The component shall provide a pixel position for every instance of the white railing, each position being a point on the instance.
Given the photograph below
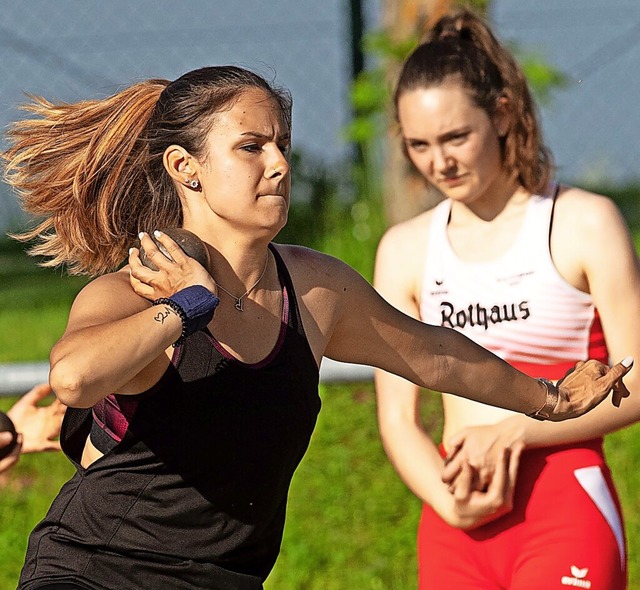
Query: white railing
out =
(18, 378)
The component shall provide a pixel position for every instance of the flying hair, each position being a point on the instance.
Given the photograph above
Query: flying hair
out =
(91, 172)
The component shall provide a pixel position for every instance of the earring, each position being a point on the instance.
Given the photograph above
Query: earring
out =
(193, 183)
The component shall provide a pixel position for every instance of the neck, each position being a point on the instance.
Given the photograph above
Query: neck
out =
(246, 288)
(498, 198)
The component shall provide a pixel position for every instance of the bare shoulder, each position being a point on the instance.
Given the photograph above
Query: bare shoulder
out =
(107, 297)
(407, 237)
(400, 260)
(325, 287)
(583, 210)
(306, 264)
(590, 238)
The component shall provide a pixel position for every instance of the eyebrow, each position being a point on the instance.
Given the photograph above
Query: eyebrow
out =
(257, 135)
(446, 136)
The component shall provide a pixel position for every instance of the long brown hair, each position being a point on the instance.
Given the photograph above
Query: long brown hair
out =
(461, 47)
(92, 174)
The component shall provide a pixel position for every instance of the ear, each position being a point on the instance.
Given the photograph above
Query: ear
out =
(502, 116)
(179, 163)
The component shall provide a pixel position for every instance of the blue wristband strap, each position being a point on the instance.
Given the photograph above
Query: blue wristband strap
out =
(195, 306)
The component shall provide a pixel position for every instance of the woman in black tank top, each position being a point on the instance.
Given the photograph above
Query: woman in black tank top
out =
(186, 427)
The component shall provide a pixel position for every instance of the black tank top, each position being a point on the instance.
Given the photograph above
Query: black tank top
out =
(194, 495)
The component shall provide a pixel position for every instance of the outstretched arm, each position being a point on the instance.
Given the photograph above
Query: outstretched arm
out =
(368, 330)
(594, 248)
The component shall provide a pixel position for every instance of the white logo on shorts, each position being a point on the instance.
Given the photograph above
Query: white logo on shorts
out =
(577, 578)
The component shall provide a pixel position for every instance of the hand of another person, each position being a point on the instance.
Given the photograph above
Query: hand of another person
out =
(474, 508)
(12, 458)
(39, 425)
(482, 447)
(586, 385)
(172, 275)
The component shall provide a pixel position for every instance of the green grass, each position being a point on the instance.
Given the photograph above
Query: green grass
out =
(35, 304)
(351, 523)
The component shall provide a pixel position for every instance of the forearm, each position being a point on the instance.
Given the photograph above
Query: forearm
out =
(417, 461)
(602, 420)
(90, 363)
(468, 370)
(411, 450)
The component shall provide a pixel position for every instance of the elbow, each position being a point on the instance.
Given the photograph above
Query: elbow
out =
(68, 384)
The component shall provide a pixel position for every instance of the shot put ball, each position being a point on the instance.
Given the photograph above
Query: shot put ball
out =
(191, 244)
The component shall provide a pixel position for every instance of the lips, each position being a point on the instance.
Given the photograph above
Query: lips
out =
(272, 195)
(451, 181)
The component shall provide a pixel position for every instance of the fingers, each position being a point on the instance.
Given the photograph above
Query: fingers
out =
(176, 253)
(498, 486)
(455, 442)
(589, 384)
(501, 487)
(57, 408)
(620, 391)
(514, 460)
(614, 375)
(5, 439)
(463, 484)
(162, 253)
(141, 277)
(452, 467)
(37, 393)
(619, 370)
(452, 462)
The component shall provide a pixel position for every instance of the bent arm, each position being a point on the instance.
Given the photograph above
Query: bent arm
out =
(115, 341)
(409, 447)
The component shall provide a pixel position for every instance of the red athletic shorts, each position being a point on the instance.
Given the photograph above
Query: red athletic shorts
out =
(565, 531)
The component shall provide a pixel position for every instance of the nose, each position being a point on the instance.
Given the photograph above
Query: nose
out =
(278, 166)
(440, 159)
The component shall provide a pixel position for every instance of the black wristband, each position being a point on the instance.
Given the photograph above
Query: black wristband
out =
(194, 305)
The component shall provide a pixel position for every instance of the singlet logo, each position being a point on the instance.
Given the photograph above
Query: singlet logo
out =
(478, 315)
(577, 578)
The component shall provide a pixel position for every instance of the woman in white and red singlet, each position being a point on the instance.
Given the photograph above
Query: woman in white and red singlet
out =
(541, 274)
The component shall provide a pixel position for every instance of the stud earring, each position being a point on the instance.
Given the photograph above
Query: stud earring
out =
(194, 183)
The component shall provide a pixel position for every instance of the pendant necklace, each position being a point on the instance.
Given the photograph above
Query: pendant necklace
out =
(239, 305)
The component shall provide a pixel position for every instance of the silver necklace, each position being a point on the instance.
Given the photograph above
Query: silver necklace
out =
(239, 305)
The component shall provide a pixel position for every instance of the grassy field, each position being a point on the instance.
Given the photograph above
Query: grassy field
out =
(351, 523)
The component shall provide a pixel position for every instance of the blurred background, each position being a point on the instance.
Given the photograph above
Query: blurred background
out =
(581, 56)
(351, 521)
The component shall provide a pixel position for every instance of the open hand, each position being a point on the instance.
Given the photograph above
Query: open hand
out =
(38, 425)
(588, 384)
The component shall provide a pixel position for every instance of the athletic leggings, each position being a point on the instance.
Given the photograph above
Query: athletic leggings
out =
(565, 531)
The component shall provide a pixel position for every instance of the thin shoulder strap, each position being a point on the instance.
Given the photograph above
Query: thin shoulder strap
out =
(555, 190)
(293, 319)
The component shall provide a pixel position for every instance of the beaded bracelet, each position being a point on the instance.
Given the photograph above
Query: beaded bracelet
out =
(194, 305)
